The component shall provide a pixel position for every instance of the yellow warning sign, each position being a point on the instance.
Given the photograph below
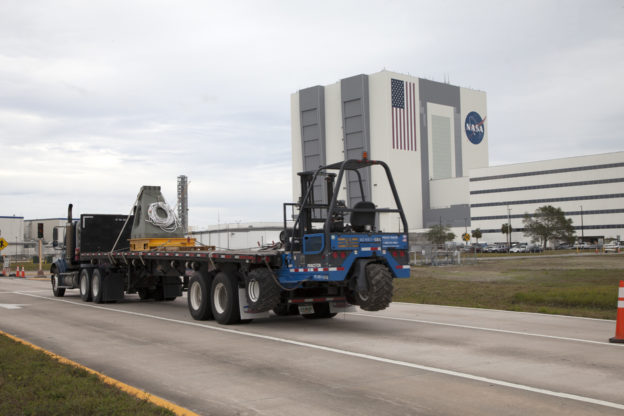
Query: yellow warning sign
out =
(466, 237)
(3, 244)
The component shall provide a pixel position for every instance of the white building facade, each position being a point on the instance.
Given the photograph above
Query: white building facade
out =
(431, 135)
(588, 189)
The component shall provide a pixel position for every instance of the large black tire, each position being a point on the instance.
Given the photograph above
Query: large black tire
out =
(97, 285)
(262, 292)
(321, 311)
(144, 293)
(224, 299)
(85, 285)
(379, 294)
(57, 291)
(199, 297)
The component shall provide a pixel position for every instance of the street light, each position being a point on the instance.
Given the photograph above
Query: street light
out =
(582, 226)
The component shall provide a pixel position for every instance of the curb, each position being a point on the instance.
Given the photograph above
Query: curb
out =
(140, 394)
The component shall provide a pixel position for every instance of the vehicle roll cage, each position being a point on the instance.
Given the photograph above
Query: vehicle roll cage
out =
(303, 222)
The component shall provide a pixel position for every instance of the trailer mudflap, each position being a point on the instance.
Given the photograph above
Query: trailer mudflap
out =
(244, 307)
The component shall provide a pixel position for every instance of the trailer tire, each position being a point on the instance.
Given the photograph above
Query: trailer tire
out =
(85, 285)
(57, 291)
(262, 292)
(144, 293)
(224, 299)
(199, 297)
(97, 286)
(379, 294)
(321, 311)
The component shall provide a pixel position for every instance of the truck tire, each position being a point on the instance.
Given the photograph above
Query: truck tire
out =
(97, 286)
(321, 311)
(85, 285)
(57, 291)
(379, 294)
(224, 296)
(199, 297)
(144, 293)
(262, 292)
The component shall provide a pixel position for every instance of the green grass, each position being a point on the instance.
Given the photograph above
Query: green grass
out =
(33, 383)
(578, 286)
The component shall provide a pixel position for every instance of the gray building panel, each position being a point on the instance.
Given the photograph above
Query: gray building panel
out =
(448, 95)
(356, 130)
(312, 118)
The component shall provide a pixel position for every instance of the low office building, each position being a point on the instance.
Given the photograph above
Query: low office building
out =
(588, 189)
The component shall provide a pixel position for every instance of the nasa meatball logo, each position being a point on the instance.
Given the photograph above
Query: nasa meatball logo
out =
(475, 127)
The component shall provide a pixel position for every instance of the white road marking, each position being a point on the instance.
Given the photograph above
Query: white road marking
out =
(355, 354)
(505, 311)
(11, 306)
(25, 291)
(504, 331)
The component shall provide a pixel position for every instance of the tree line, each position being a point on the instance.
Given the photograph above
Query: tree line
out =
(547, 224)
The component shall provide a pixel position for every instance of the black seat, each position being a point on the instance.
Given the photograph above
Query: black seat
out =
(363, 216)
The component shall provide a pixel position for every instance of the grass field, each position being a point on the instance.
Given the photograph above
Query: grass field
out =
(572, 285)
(32, 383)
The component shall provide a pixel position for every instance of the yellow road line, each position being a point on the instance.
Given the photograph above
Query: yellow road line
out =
(159, 401)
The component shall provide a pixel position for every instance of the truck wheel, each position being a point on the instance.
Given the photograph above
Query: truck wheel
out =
(321, 311)
(144, 293)
(96, 286)
(224, 297)
(85, 285)
(57, 291)
(379, 294)
(262, 292)
(199, 297)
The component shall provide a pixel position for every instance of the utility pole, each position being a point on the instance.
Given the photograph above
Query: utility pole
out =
(508, 228)
(582, 226)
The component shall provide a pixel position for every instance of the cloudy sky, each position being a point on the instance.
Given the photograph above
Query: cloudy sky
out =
(100, 97)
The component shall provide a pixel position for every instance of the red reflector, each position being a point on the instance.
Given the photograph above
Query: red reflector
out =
(342, 255)
(402, 253)
(335, 255)
(394, 254)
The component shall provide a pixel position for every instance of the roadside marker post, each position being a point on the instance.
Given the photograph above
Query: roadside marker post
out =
(619, 323)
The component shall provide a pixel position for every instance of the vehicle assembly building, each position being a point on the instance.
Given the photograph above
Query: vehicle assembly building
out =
(435, 138)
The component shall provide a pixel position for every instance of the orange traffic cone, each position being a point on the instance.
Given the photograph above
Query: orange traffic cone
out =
(23, 271)
(619, 323)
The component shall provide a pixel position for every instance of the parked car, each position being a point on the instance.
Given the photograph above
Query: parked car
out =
(563, 246)
(534, 248)
(518, 248)
(611, 247)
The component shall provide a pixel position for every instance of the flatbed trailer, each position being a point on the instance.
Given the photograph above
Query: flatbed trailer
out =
(333, 257)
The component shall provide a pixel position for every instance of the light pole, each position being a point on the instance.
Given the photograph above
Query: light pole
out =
(509, 228)
(582, 226)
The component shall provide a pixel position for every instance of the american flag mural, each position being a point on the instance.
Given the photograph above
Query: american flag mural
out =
(404, 106)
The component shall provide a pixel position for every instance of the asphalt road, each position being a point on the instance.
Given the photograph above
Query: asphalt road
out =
(407, 360)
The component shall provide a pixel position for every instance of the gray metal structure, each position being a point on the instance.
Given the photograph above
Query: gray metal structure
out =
(183, 202)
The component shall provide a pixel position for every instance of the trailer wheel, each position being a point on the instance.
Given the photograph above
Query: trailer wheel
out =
(144, 293)
(262, 292)
(224, 297)
(199, 297)
(57, 291)
(85, 285)
(321, 311)
(379, 294)
(96, 286)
